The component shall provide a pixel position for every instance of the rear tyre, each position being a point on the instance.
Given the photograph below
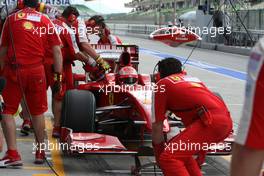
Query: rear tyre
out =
(78, 111)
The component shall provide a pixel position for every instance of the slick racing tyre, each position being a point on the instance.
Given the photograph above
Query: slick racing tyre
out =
(78, 111)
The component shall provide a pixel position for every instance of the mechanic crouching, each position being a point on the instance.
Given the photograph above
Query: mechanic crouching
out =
(205, 116)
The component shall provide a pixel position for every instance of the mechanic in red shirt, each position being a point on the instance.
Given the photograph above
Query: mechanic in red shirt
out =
(248, 150)
(70, 16)
(70, 52)
(26, 126)
(97, 25)
(205, 116)
(25, 75)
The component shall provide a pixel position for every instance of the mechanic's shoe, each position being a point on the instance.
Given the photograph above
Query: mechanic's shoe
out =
(40, 157)
(26, 126)
(11, 158)
(56, 132)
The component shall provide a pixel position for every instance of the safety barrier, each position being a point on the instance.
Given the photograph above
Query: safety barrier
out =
(236, 38)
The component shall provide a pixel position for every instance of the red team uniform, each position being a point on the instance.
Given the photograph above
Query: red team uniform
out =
(205, 116)
(250, 131)
(24, 25)
(69, 49)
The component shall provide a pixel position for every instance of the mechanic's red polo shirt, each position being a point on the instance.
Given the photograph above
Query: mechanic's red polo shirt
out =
(182, 95)
(69, 44)
(27, 25)
(69, 49)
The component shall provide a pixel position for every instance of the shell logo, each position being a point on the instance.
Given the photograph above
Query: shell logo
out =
(28, 25)
(21, 15)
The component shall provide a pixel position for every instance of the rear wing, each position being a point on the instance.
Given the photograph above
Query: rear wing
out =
(111, 53)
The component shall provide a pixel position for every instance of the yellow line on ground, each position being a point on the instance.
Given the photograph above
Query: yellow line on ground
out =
(55, 154)
(35, 168)
(227, 158)
(43, 175)
(25, 140)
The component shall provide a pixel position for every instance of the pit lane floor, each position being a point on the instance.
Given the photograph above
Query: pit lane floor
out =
(232, 90)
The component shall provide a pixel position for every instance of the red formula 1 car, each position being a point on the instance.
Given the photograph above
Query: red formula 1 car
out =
(174, 36)
(114, 117)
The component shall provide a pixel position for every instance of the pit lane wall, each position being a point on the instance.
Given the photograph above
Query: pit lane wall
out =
(236, 42)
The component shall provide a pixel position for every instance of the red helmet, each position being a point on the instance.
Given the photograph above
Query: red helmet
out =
(128, 75)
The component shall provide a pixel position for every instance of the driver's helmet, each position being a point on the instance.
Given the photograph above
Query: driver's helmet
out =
(128, 75)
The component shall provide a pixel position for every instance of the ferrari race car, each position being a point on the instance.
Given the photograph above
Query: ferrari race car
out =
(110, 116)
(174, 36)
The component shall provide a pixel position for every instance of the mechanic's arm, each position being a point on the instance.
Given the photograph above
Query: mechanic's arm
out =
(83, 57)
(57, 56)
(157, 132)
(84, 42)
(86, 47)
(4, 42)
(3, 51)
(159, 107)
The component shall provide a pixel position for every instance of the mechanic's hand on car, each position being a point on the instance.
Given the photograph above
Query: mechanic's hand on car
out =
(57, 87)
(103, 64)
(96, 74)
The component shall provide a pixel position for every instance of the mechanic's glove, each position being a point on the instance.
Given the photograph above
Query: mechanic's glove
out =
(158, 149)
(95, 73)
(103, 64)
(57, 87)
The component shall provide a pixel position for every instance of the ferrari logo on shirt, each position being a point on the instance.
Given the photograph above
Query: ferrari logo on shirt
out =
(28, 25)
(21, 15)
(175, 78)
